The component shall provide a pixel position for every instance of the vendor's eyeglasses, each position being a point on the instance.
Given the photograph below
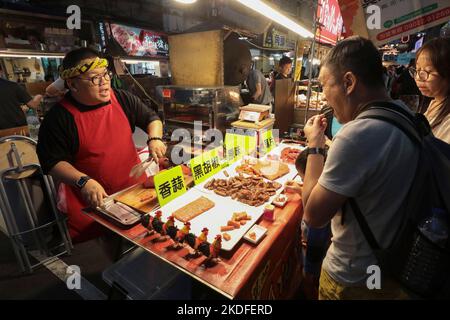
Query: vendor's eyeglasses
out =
(97, 79)
(423, 74)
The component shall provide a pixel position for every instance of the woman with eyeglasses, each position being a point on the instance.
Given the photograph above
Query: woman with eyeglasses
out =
(85, 141)
(432, 75)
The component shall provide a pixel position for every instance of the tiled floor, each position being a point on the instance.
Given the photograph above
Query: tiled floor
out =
(43, 284)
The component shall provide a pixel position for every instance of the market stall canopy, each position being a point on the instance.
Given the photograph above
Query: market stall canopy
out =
(390, 20)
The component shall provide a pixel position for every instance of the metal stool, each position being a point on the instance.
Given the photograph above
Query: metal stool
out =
(26, 226)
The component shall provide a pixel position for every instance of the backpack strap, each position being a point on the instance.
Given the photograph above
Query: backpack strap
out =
(364, 225)
(397, 116)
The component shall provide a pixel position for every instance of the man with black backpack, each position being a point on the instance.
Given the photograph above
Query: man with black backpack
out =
(371, 163)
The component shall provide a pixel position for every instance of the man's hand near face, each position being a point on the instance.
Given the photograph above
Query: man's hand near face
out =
(315, 131)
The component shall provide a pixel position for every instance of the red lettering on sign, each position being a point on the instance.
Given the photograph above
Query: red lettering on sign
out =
(414, 24)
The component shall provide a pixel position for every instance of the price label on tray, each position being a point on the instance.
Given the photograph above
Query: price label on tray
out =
(205, 165)
(268, 141)
(169, 185)
(238, 145)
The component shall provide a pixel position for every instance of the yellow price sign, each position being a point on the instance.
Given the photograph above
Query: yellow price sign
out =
(205, 165)
(169, 185)
(238, 145)
(268, 141)
(250, 143)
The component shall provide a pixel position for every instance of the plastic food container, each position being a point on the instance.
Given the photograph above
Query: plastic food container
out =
(255, 234)
(280, 201)
(269, 213)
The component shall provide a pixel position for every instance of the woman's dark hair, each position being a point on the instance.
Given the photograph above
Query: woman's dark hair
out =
(439, 51)
(359, 56)
(74, 57)
(300, 163)
(284, 60)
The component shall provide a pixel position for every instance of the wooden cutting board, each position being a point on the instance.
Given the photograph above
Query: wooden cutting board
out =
(281, 169)
(144, 199)
(138, 198)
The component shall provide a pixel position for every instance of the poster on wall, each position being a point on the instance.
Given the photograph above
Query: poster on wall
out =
(330, 22)
(139, 42)
(397, 17)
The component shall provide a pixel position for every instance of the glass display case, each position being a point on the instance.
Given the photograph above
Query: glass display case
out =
(214, 107)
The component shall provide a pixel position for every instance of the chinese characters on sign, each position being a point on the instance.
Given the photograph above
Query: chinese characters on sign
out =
(205, 165)
(169, 185)
(330, 21)
(268, 141)
(238, 145)
(277, 39)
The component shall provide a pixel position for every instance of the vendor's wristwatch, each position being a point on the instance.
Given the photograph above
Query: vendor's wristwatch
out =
(315, 151)
(82, 182)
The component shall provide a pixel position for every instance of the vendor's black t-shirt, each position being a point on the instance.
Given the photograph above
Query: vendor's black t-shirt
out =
(58, 134)
(12, 96)
(280, 76)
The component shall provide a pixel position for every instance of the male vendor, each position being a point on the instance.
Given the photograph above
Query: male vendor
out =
(86, 142)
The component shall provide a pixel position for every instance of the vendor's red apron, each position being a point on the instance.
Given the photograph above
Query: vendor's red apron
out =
(106, 153)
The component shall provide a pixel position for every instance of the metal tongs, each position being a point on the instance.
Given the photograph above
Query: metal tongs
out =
(139, 169)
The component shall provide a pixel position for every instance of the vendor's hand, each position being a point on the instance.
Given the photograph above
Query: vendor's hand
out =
(315, 131)
(157, 149)
(93, 193)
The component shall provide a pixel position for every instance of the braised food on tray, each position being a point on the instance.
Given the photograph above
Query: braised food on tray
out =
(270, 170)
(253, 191)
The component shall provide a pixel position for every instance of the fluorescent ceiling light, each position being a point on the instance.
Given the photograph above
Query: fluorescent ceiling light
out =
(186, 1)
(30, 55)
(134, 61)
(276, 16)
